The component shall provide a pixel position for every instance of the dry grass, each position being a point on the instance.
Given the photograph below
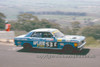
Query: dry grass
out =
(91, 42)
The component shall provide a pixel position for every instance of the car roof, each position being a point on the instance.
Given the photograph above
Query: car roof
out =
(44, 30)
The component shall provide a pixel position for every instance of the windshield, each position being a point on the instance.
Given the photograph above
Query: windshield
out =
(57, 34)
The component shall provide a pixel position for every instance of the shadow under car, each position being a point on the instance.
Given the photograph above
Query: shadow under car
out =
(85, 51)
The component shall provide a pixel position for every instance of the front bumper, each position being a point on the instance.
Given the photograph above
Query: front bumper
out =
(81, 46)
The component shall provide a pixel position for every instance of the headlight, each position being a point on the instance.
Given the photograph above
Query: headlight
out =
(75, 44)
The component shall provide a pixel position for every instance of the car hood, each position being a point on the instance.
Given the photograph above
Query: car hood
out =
(73, 37)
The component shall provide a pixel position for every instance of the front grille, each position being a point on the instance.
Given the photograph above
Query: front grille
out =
(81, 42)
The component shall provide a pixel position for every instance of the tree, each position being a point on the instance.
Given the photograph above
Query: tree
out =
(39, 24)
(29, 22)
(67, 30)
(2, 17)
(26, 17)
(93, 31)
(75, 27)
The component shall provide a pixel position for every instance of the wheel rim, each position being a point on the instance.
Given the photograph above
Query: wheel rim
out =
(27, 46)
(68, 49)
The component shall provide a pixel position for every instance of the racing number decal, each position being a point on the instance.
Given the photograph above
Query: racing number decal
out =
(39, 43)
(51, 44)
(42, 44)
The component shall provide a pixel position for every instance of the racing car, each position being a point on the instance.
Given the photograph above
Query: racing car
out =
(49, 38)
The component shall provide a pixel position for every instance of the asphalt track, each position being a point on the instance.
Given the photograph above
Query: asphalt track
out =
(12, 56)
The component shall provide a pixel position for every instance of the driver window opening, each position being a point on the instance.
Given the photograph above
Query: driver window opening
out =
(42, 34)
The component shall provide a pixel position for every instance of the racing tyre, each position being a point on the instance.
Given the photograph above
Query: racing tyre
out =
(68, 49)
(27, 46)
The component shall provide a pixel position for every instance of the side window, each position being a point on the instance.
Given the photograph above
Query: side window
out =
(46, 35)
(36, 34)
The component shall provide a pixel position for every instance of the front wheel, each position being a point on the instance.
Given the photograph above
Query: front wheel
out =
(68, 49)
(27, 46)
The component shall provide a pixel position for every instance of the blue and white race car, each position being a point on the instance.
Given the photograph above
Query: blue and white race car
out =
(48, 38)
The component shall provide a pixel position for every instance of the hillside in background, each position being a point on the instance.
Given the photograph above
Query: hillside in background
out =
(12, 8)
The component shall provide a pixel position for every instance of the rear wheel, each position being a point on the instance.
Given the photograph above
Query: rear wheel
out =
(68, 49)
(27, 46)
